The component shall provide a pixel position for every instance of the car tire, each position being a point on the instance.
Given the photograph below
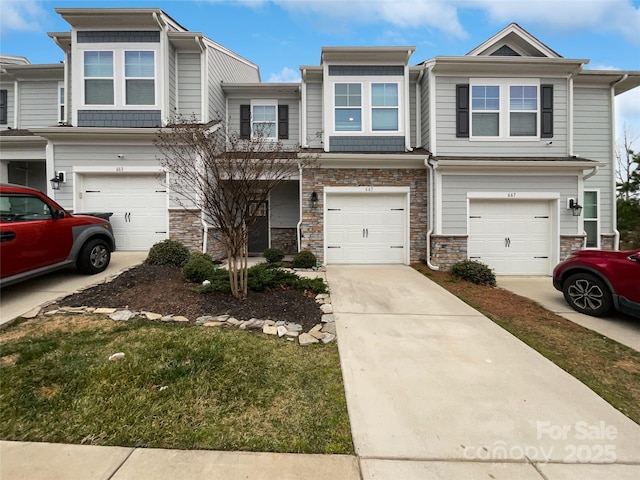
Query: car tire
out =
(587, 294)
(94, 257)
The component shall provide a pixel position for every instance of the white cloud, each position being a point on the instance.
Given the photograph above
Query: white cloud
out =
(20, 15)
(286, 75)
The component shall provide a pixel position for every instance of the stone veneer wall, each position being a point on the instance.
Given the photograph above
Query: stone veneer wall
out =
(607, 241)
(185, 227)
(448, 249)
(315, 179)
(569, 244)
(215, 247)
(284, 239)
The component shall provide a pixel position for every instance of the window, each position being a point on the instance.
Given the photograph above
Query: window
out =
(98, 78)
(591, 221)
(23, 208)
(384, 103)
(485, 111)
(61, 117)
(139, 72)
(264, 121)
(348, 107)
(3, 107)
(504, 109)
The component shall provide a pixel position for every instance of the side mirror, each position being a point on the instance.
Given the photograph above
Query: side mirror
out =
(58, 214)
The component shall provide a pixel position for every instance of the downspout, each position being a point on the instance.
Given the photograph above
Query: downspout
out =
(432, 168)
(205, 235)
(299, 225)
(614, 212)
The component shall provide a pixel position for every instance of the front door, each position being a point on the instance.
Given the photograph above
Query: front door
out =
(259, 231)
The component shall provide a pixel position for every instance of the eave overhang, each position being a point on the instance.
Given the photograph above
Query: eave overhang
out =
(564, 163)
(414, 159)
(95, 135)
(54, 71)
(622, 80)
(122, 18)
(262, 90)
(504, 66)
(367, 55)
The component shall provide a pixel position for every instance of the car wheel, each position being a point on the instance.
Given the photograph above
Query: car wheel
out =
(587, 294)
(94, 257)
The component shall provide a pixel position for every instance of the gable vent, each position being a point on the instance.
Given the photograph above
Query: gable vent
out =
(505, 51)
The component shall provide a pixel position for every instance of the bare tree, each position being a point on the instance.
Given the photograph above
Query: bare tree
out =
(228, 177)
(626, 159)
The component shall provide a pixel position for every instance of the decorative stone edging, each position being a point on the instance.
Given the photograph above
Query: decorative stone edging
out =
(324, 332)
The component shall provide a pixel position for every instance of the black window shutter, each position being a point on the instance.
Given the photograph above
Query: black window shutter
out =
(245, 121)
(546, 115)
(283, 122)
(462, 110)
(3, 107)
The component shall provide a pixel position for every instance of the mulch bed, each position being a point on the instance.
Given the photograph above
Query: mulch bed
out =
(163, 290)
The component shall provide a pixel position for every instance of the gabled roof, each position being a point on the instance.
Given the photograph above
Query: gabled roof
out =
(513, 39)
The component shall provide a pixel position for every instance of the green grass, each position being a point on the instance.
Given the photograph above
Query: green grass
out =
(225, 389)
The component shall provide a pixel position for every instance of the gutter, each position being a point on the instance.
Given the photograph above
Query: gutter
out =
(614, 204)
(432, 168)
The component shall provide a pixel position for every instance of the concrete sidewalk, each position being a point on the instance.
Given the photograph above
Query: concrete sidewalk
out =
(618, 327)
(436, 390)
(22, 297)
(51, 461)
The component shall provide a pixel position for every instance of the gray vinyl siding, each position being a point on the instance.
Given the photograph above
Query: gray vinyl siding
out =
(593, 139)
(412, 114)
(448, 144)
(225, 68)
(172, 79)
(189, 85)
(10, 105)
(314, 115)
(233, 116)
(456, 187)
(68, 97)
(425, 105)
(285, 205)
(38, 104)
(105, 156)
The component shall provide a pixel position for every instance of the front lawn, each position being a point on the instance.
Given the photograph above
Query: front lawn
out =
(610, 369)
(177, 386)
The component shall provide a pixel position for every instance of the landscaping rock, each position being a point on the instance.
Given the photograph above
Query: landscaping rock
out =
(213, 324)
(104, 311)
(293, 327)
(326, 308)
(51, 313)
(73, 310)
(33, 313)
(306, 339)
(269, 322)
(329, 328)
(181, 319)
(328, 338)
(222, 318)
(246, 324)
(233, 321)
(204, 319)
(116, 356)
(328, 317)
(167, 318)
(316, 328)
(317, 334)
(322, 296)
(152, 316)
(282, 330)
(270, 330)
(121, 315)
(291, 334)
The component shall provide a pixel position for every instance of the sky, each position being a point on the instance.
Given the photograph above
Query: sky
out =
(281, 35)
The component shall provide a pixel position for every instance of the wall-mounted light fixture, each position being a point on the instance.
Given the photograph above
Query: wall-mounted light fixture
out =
(314, 199)
(575, 207)
(57, 179)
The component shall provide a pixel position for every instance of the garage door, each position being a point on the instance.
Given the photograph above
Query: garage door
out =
(364, 228)
(512, 237)
(138, 203)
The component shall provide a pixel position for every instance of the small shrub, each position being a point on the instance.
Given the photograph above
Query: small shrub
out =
(273, 255)
(168, 252)
(198, 268)
(474, 272)
(219, 282)
(304, 259)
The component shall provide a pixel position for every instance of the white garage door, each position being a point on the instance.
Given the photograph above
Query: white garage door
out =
(512, 237)
(138, 203)
(366, 228)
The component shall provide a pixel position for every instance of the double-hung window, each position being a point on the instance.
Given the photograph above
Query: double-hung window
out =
(98, 78)
(348, 107)
(384, 107)
(61, 113)
(3, 107)
(139, 72)
(264, 121)
(591, 220)
(505, 109)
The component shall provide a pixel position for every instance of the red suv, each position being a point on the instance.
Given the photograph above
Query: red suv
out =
(596, 281)
(38, 236)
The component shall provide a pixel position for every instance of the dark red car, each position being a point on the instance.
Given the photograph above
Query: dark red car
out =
(38, 236)
(595, 282)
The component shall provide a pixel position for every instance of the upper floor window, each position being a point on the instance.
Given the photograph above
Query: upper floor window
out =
(348, 107)
(591, 220)
(139, 72)
(384, 102)
(61, 113)
(264, 121)
(504, 108)
(3, 107)
(98, 78)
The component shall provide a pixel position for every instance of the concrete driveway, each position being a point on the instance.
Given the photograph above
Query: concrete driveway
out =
(618, 327)
(436, 390)
(22, 297)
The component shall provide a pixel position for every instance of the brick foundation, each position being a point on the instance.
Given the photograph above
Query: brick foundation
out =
(315, 179)
(185, 227)
(285, 239)
(569, 244)
(607, 242)
(448, 249)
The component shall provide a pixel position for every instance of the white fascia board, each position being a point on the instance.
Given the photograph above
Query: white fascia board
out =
(505, 165)
(520, 195)
(367, 189)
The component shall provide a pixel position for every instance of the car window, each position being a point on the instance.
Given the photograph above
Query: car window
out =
(23, 208)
